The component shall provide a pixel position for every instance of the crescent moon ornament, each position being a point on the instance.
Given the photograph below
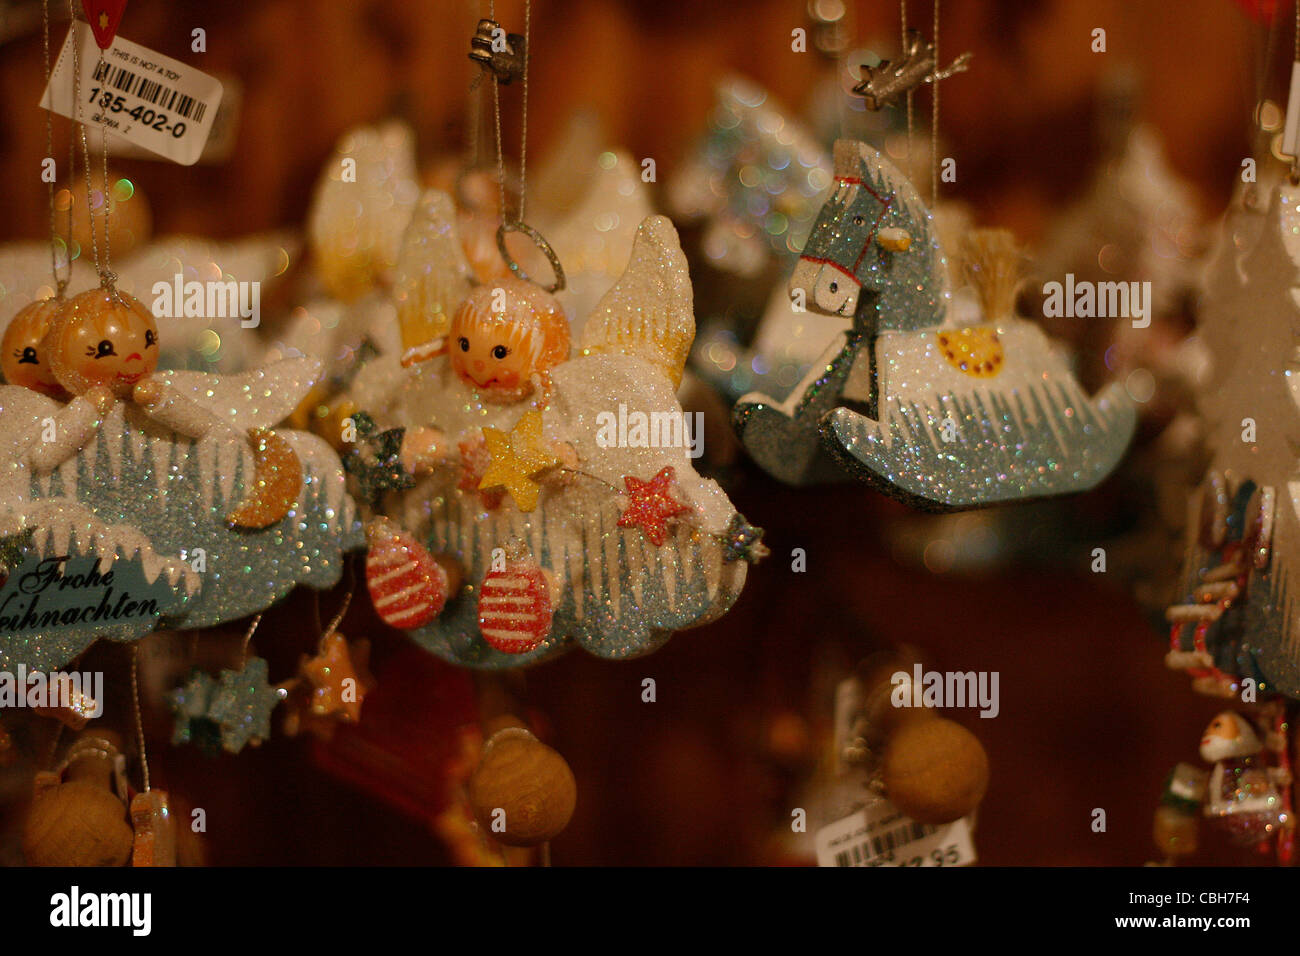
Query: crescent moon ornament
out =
(277, 481)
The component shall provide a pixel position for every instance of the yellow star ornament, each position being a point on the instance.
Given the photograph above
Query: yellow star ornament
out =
(516, 458)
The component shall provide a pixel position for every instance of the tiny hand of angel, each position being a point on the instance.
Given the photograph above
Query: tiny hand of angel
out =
(148, 392)
(423, 449)
(566, 452)
(102, 398)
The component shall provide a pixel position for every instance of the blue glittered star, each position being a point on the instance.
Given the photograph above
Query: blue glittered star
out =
(190, 704)
(242, 704)
(743, 540)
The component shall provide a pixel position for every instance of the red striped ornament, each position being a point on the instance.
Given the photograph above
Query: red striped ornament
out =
(514, 608)
(408, 588)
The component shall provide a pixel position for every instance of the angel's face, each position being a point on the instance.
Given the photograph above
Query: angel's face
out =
(493, 363)
(504, 334)
(106, 339)
(23, 358)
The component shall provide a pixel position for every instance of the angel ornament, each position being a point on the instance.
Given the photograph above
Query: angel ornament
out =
(154, 494)
(536, 521)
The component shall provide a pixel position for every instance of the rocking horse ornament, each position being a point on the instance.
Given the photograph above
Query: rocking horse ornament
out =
(941, 416)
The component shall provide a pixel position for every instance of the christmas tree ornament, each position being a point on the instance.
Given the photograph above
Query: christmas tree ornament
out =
(941, 416)
(77, 816)
(23, 358)
(241, 705)
(884, 83)
(523, 792)
(1235, 616)
(1243, 796)
(362, 203)
(516, 445)
(336, 687)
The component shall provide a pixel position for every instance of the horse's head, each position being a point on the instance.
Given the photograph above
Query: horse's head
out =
(873, 243)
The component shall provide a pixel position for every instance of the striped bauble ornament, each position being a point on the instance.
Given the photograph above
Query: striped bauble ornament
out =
(515, 607)
(408, 586)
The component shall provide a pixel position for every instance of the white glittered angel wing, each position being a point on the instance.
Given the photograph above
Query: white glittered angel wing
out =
(595, 240)
(258, 398)
(431, 278)
(649, 313)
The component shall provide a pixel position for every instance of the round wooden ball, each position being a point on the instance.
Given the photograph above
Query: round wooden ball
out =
(527, 780)
(77, 823)
(935, 770)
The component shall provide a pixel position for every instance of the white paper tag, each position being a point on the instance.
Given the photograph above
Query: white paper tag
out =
(221, 141)
(881, 836)
(153, 101)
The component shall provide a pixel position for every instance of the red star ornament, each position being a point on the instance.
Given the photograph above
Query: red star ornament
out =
(651, 505)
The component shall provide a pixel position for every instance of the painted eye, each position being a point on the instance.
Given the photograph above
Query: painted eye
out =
(27, 356)
(464, 344)
(858, 220)
(499, 352)
(149, 338)
(835, 287)
(104, 349)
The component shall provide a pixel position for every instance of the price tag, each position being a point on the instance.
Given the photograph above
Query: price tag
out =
(150, 100)
(881, 836)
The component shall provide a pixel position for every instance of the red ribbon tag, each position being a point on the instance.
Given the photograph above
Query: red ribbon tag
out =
(104, 16)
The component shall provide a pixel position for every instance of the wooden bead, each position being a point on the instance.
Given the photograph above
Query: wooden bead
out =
(524, 786)
(934, 770)
(77, 823)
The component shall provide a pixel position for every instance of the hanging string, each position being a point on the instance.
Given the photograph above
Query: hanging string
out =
(343, 611)
(523, 135)
(60, 282)
(139, 717)
(902, 16)
(934, 117)
(106, 276)
(248, 636)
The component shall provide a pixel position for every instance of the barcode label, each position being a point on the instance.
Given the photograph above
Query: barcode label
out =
(151, 91)
(883, 844)
(881, 836)
(135, 96)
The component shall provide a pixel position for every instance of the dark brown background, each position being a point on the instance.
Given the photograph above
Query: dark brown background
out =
(1090, 718)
